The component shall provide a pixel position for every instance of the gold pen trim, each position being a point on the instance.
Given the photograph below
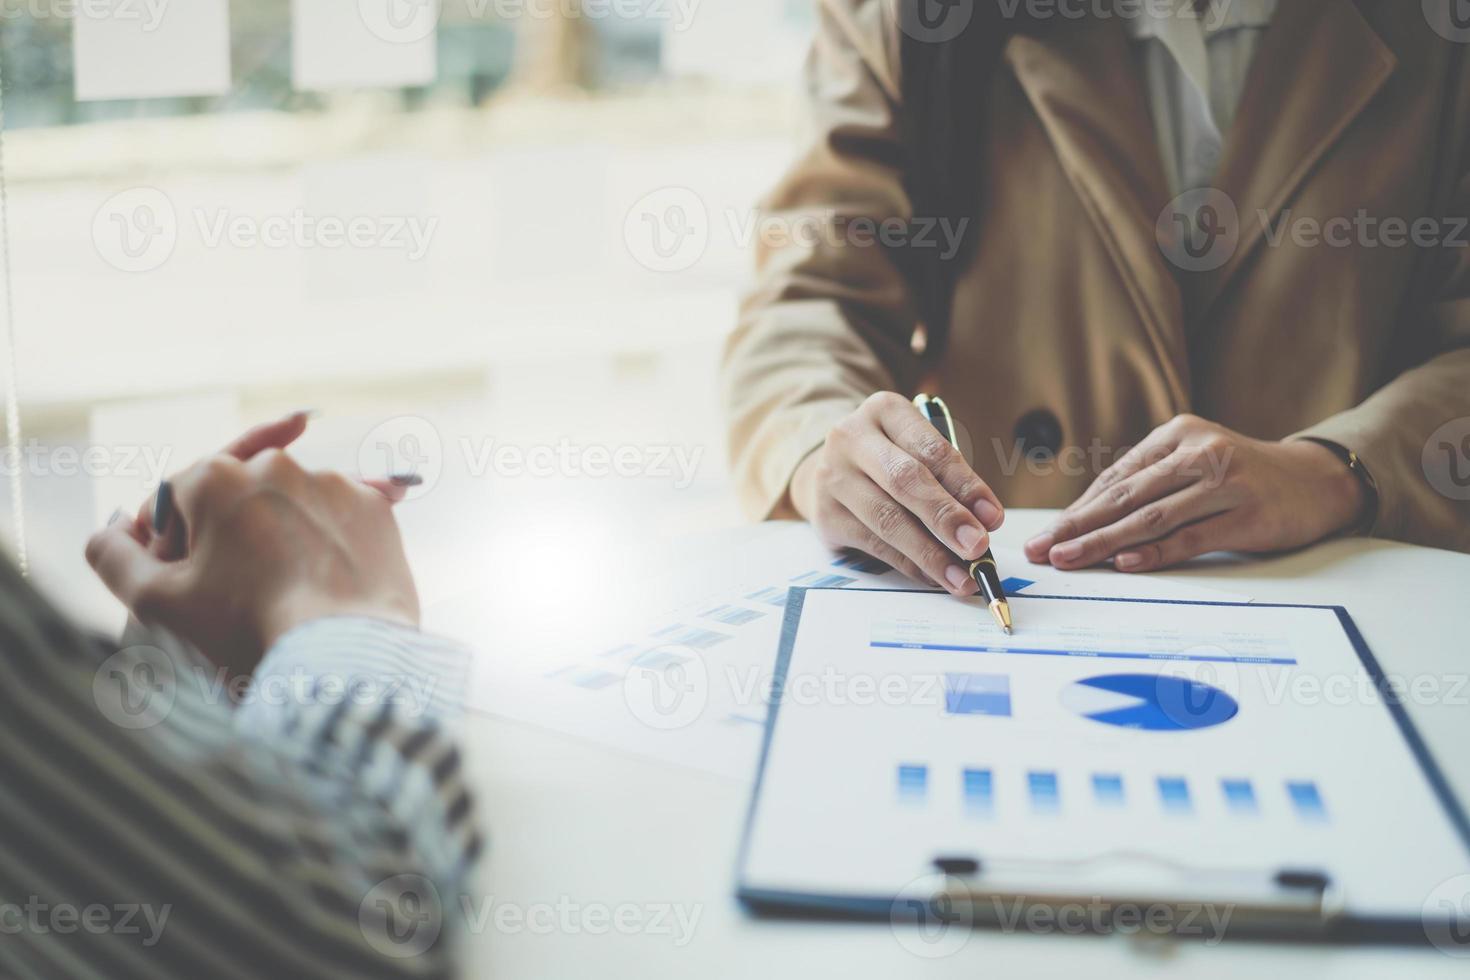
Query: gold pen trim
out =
(1001, 610)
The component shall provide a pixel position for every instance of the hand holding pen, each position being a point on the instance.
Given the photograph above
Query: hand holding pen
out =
(983, 569)
(887, 483)
(156, 527)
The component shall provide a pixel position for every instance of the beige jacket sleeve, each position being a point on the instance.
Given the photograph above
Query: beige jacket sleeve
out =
(1413, 434)
(830, 319)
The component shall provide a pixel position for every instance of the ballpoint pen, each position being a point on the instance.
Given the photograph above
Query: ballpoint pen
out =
(982, 569)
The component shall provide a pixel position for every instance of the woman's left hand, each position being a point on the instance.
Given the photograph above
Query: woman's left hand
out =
(1192, 487)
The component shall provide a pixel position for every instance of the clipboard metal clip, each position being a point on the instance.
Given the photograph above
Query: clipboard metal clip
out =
(1123, 891)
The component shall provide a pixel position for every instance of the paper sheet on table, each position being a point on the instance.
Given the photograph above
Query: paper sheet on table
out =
(151, 50)
(689, 683)
(1207, 736)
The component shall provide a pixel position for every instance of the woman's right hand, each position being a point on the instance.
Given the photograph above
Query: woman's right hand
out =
(888, 484)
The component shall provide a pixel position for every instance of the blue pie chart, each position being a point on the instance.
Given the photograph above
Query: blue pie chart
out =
(1150, 702)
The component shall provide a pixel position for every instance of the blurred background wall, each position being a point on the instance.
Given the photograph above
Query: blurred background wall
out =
(541, 247)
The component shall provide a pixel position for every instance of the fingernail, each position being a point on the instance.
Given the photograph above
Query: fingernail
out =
(1070, 551)
(971, 538)
(163, 506)
(1042, 542)
(1128, 559)
(988, 513)
(305, 413)
(956, 576)
(406, 479)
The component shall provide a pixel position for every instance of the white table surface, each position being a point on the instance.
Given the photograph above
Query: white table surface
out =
(587, 829)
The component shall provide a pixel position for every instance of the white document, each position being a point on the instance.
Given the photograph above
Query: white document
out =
(687, 680)
(341, 44)
(132, 50)
(1223, 739)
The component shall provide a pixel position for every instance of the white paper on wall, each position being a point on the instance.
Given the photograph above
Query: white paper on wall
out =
(338, 44)
(738, 42)
(142, 49)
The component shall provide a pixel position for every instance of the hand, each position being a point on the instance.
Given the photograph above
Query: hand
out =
(269, 546)
(1192, 487)
(887, 483)
(168, 542)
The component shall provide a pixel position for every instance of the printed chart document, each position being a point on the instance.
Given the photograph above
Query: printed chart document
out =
(686, 678)
(1107, 746)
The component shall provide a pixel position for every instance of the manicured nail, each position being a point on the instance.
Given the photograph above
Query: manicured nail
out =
(163, 507)
(1128, 559)
(971, 538)
(1070, 551)
(988, 513)
(956, 576)
(406, 479)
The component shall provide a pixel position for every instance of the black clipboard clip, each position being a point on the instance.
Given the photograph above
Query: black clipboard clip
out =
(1174, 897)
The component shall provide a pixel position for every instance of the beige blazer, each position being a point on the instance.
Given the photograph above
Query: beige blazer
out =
(1079, 325)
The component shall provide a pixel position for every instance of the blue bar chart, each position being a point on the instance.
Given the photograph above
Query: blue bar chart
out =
(771, 596)
(820, 580)
(861, 563)
(984, 788)
(732, 615)
(690, 636)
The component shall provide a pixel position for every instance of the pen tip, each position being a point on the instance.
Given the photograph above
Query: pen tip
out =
(1001, 610)
(1008, 630)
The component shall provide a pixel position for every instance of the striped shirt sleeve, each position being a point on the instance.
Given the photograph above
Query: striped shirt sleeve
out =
(162, 820)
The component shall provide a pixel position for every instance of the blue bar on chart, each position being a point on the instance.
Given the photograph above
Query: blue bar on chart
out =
(1307, 801)
(771, 596)
(1107, 788)
(1045, 795)
(977, 694)
(657, 659)
(1174, 794)
(862, 563)
(689, 636)
(979, 787)
(732, 615)
(816, 580)
(1240, 796)
(913, 783)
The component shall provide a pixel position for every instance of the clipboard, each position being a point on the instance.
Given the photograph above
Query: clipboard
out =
(969, 876)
